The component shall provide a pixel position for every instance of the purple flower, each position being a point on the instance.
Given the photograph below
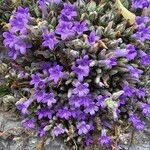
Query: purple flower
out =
(146, 109)
(55, 1)
(75, 101)
(20, 24)
(43, 7)
(140, 4)
(104, 139)
(143, 33)
(140, 92)
(44, 112)
(145, 60)
(85, 61)
(81, 71)
(9, 39)
(57, 130)
(69, 11)
(37, 81)
(92, 38)
(81, 89)
(64, 113)
(91, 109)
(56, 73)
(45, 66)
(50, 40)
(65, 29)
(23, 106)
(140, 20)
(17, 45)
(128, 91)
(109, 62)
(41, 132)
(78, 114)
(80, 27)
(134, 71)
(21, 46)
(39, 95)
(29, 123)
(129, 52)
(88, 140)
(137, 123)
(86, 101)
(22, 11)
(49, 99)
(101, 101)
(83, 128)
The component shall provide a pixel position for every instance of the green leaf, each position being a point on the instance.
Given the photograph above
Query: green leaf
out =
(110, 103)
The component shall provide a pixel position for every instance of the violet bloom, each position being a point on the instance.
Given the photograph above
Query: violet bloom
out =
(57, 130)
(39, 95)
(81, 89)
(75, 101)
(50, 40)
(86, 101)
(109, 62)
(29, 123)
(44, 112)
(140, 92)
(129, 52)
(137, 123)
(9, 39)
(140, 4)
(145, 60)
(140, 20)
(64, 113)
(83, 128)
(104, 139)
(85, 61)
(69, 11)
(21, 46)
(78, 114)
(56, 73)
(20, 24)
(81, 71)
(55, 1)
(22, 11)
(37, 81)
(49, 99)
(20, 21)
(17, 44)
(43, 7)
(23, 106)
(41, 132)
(128, 91)
(80, 27)
(65, 29)
(88, 140)
(146, 109)
(135, 72)
(143, 33)
(91, 109)
(101, 101)
(92, 38)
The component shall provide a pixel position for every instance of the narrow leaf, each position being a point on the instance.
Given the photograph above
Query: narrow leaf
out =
(125, 12)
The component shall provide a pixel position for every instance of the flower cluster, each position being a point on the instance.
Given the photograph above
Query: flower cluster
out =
(16, 38)
(82, 76)
(140, 4)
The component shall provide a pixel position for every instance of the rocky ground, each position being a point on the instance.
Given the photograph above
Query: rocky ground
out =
(14, 137)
